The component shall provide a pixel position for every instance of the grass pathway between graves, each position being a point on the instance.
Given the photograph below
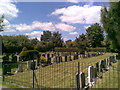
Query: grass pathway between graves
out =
(111, 78)
(61, 75)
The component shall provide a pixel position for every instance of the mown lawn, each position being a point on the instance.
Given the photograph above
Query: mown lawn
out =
(61, 75)
(111, 78)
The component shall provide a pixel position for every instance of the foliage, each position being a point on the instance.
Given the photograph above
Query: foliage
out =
(96, 49)
(110, 19)
(58, 49)
(46, 36)
(13, 44)
(81, 43)
(95, 35)
(14, 58)
(43, 46)
(69, 43)
(5, 58)
(29, 55)
(57, 40)
(43, 60)
(1, 23)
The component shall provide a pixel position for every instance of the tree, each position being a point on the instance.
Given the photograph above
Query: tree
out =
(1, 23)
(43, 46)
(13, 44)
(110, 19)
(81, 42)
(95, 35)
(46, 36)
(69, 43)
(56, 39)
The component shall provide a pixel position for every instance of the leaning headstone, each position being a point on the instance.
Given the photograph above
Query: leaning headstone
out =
(90, 75)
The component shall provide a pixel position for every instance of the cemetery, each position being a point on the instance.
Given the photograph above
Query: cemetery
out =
(67, 45)
(60, 71)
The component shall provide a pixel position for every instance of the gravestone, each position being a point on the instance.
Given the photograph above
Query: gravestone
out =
(49, 60)
(28, 65)
(65, 58)
(101, 66)
(90, 75)
(18, 58)
(20, 68)
(72, 57)
(80, 80)
(97, 66)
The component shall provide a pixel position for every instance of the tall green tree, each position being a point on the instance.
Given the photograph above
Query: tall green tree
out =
(95, 35)
(110, 19)
(81, 42)
(46, 36)
(57, 39)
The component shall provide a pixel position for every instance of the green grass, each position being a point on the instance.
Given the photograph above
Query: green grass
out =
(61, 75)
(111, 78)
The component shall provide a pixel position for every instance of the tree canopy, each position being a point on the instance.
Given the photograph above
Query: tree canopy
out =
(110, 19)
(95, 35)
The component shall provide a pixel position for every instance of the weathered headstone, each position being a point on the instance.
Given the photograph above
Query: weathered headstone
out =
(80, 80)
(28, 65)
(90, 75)
(20, 68)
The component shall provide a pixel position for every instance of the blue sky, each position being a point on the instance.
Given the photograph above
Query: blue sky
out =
(32, 18)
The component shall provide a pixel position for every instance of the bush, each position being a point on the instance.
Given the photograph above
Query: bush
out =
(96, 49)
(66, 49)
(43, 60)
(14, 58)
(5, 58)
(29, 55)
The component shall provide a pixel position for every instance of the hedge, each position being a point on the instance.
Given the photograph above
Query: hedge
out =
(96, 49)
(29, 54)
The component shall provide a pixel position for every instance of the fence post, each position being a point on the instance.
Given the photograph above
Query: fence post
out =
(33, 74)
(78, 77)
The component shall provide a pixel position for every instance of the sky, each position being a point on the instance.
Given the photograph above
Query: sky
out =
(32, 18)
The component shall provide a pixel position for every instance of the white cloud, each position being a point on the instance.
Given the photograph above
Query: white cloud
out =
(65, 27)
(65, 39)
(8, 9)
(35, 25)
(34, 33)
(79, 14)
(43, 26)
(73, 1)
(73, 33)
(86, 26)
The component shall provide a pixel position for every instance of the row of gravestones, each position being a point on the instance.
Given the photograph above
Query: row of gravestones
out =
(93, 72)
(56, 59)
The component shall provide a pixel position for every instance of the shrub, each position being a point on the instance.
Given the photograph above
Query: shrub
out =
(29, 55)
(96, 49)
(5, 58)
(43, 60)
(14, 58)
